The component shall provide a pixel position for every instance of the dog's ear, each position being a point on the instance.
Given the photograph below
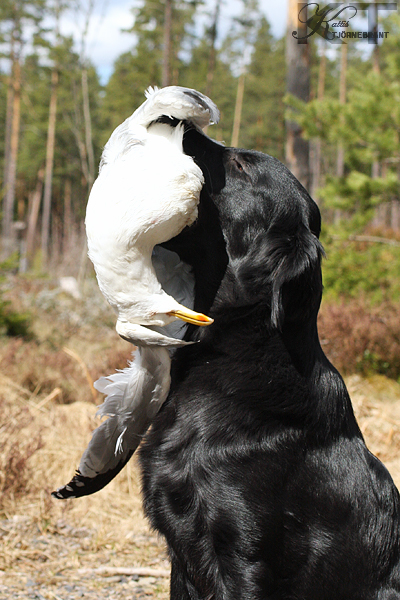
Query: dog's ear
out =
(283, 267)
(296, 279)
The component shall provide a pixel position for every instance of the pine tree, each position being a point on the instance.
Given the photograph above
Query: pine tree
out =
(16, 16)
(263, 117)
(366, 127)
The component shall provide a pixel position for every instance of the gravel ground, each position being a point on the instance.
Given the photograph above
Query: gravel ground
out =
(111, 588)
(63, 565)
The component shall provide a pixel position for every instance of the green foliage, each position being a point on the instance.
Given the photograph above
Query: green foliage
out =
(135, 71)
(194, 75)
(124, 91)
(355, 269)
(14, 16)
(10, 264)
(367, 127)
(358, 195)
(12, 323)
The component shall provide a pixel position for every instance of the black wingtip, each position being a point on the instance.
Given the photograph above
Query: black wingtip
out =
(85, 486)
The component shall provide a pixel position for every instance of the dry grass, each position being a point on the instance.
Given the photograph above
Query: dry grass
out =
(48, 410)
(376, 402)
(64, 537)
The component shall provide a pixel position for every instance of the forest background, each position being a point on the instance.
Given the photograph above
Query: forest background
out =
(329, 111)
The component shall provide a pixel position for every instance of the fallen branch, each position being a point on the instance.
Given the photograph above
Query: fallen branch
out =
(56, 392)
(129, 571)
(372, 239)
(85, 370)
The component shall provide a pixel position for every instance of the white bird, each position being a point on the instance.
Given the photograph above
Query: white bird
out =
(147, 191)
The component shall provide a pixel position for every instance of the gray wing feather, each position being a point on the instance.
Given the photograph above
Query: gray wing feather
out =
(134, 396)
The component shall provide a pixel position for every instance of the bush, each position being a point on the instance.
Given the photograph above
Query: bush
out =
(15, 452)
(356, 268)
(12, 323)
(359, 338)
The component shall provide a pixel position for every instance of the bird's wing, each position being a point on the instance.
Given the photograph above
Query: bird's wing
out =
(179, 103)
(134, 396)
(177, 280)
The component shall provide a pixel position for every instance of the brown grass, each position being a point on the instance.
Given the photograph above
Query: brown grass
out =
(19, 444)
(47, 410)
(359, 338)
(43, 449)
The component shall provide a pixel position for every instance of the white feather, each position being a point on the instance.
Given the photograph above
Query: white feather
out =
(134, 396)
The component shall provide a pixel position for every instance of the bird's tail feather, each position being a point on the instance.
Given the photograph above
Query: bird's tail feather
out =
(134, 396)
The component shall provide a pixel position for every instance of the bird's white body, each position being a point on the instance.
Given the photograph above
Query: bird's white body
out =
(146, 192)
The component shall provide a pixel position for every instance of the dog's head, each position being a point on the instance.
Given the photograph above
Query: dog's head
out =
(270, 226)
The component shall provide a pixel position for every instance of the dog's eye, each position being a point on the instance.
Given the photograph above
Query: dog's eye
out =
(238, 165)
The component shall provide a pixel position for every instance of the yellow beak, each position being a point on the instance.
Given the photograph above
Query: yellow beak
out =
(191, 317)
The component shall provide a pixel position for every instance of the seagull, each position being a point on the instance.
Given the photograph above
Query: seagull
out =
(146, 193)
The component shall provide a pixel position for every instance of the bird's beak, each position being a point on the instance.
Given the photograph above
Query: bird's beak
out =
(191, 317)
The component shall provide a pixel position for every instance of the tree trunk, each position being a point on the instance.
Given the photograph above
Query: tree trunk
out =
(88, 129)
(166, 71)
(75, 125)
(7, 133)
(337, 216)
(238, 110)
(211, 58)
(376, 69)
(33, 217)
(9, 197)
(67, 231)
(342, 100)
(373, 27)
(51, 135)
(297, 84)
(395, 215)
(316, 170)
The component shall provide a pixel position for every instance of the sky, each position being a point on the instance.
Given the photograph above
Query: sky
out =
(105, 41)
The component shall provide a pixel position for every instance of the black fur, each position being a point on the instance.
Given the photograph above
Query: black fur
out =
(255, 470)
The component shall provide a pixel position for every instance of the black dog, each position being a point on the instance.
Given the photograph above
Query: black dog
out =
(255, 470)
